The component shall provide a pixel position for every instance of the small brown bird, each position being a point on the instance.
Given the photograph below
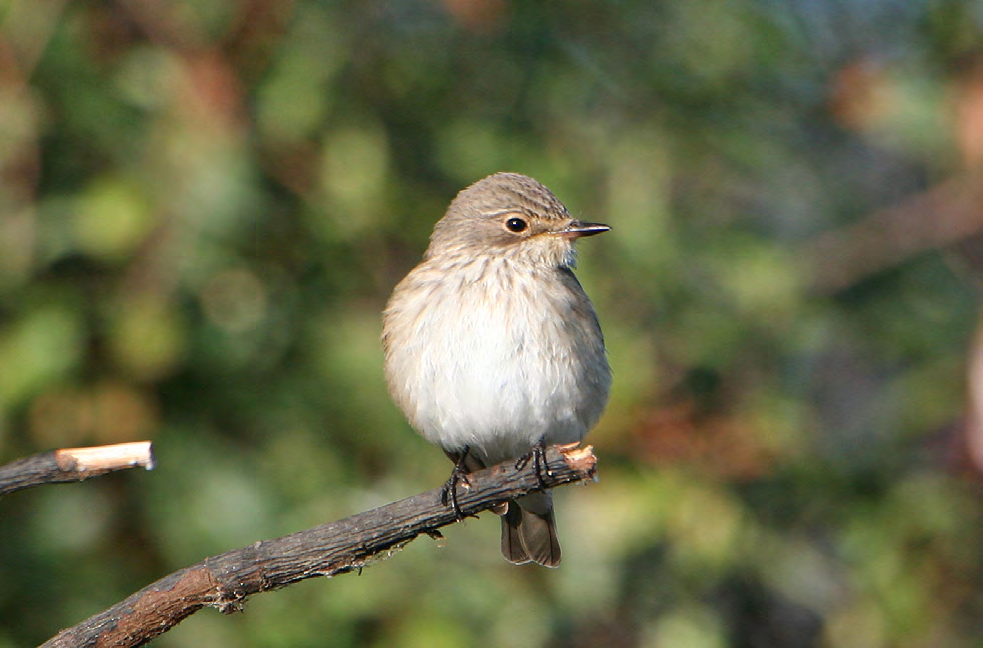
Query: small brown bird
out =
(492, 347)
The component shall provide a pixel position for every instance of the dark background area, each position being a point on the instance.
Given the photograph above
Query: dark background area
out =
(204, 206)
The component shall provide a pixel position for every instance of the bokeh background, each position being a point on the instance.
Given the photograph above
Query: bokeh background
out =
(204, 206)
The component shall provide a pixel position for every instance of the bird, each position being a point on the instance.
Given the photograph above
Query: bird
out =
(493, 349)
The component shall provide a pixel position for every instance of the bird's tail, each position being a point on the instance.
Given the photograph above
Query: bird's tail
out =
(529, 531)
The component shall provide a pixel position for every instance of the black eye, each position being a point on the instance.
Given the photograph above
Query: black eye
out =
(516, 225)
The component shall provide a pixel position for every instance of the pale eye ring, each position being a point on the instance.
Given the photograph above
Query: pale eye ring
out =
(516, 225)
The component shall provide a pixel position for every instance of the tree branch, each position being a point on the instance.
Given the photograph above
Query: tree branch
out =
(226, 580)
(73, 465)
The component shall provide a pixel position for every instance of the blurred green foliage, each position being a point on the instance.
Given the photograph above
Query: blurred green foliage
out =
(204, 206)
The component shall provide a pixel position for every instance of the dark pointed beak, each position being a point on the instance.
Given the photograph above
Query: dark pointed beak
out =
(576, 229)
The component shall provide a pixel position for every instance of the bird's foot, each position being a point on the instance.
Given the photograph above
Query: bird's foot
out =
(448, 495)
(538, 456)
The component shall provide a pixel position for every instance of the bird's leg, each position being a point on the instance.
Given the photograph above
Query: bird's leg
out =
(538, 456)
(460, 473)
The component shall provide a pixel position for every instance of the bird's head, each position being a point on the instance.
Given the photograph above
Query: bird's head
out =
(510, 215)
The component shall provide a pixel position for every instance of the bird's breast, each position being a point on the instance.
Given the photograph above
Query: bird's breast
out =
(495, 360)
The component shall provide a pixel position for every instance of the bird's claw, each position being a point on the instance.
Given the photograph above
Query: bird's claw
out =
(538, 456)
(449, 493)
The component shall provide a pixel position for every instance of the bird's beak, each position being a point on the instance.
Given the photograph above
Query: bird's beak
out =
(576, 229)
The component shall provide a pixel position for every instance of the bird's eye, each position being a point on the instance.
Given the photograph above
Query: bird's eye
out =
(516, 225)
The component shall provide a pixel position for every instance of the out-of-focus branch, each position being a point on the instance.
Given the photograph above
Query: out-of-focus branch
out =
(942, 216)
(74, 464)
(226, 580)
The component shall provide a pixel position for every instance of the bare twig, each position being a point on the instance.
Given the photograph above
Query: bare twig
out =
(74, 464)
(226, 580)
